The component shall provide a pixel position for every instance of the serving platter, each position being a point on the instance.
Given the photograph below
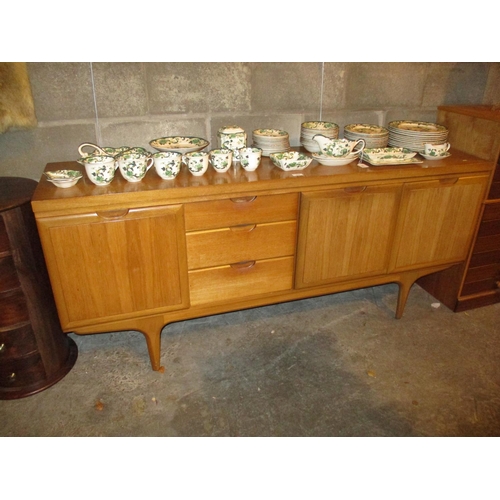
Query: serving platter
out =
(179, 144)
(382, 162)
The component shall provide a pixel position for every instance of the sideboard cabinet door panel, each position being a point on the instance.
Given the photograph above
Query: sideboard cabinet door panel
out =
(436, 221)
(111, 265)
(345, 233)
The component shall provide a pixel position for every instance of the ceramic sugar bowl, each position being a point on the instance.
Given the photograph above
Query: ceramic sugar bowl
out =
(232, 137)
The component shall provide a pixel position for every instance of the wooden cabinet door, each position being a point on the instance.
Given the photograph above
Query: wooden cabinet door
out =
(117, 264)
(345, 233)
(436, 221)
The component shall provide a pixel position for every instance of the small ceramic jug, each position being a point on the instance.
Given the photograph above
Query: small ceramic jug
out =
(100, 169)
(134, 166)
(197, 162)
(221, 159)
(250, 158)
(167, 164)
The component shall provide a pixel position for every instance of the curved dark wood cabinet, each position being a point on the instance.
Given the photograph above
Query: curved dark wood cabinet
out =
(34, 351)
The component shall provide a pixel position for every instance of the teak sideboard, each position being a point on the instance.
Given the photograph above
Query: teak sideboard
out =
(138, 256)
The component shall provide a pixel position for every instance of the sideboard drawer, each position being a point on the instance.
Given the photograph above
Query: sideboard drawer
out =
(217, 247)
(240, 210)
(240, 280)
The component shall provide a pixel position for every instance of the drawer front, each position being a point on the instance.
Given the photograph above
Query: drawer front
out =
(491, 212)
(240, 243)
(13, 310)
(4, 239)
(487, 243)
(484, 259)
(16, 343)
(235, 211)
(8, 275)
(238, 281)
(22, 372)
(494, 193)
(489, 285)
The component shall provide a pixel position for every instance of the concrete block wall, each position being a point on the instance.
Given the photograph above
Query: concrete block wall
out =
(115, 104)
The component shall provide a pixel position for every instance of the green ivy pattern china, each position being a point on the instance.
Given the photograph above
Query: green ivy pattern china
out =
(167, 164)
(179, 144)
(291, 160)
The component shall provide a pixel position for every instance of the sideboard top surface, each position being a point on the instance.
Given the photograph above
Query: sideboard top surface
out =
(265, 180)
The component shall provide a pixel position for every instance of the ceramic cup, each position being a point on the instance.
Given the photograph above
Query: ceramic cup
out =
(221, 159)
(197, 162)
(436, 149)
(134, 166)
(250, 158)
(100, 169)
(167, 164)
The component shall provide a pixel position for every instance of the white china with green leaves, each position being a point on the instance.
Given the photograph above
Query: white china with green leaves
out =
(179, 144)
(250, 158)
(337, 147)
(388, 153)
(63, 178)
(290, 160)
(331, 161)
(134, 166)
(221, 159)
(197, 162)
(232, 137)
(436, 149)
(100, 169)
(106, 150)
(167, 164)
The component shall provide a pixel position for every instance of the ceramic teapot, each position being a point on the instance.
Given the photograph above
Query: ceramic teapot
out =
(336, 147)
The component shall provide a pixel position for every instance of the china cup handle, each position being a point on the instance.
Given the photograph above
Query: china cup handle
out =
(90, 145)
(149, 163)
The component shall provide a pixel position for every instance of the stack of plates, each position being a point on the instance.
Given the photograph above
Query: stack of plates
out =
(413, 135)
(309, 129)
(373, 135)
(271, 140)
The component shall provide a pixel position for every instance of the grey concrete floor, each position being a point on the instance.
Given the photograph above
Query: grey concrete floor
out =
(338, 365)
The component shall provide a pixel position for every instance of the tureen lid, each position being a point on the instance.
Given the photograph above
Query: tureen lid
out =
(231, 129)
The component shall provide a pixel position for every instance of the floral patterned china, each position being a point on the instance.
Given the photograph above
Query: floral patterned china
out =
(433, 157)
(63, 178)
(100, 169)
(337, 147)
(221, 159)
(167, 164)
(179, 144)
(134, 165)
(388, 153)
(373, 135)
(250, 158)
(197, 162)
(111, 151)
(309, 129)
(331, 161)
(290, 160)
(271, 140)
(414, 134)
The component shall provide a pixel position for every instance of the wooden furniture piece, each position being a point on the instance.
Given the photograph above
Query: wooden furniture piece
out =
(139, 256)
(476, 281)
(34, 352)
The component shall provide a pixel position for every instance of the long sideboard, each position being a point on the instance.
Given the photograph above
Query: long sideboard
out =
(138, 256)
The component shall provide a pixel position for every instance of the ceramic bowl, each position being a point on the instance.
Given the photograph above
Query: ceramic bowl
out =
(63, 178)
(290, 160)
(331, 161)
(179, 144)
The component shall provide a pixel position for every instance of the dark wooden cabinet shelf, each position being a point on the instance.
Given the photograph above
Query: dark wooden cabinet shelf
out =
(34, 352)
(476, 282)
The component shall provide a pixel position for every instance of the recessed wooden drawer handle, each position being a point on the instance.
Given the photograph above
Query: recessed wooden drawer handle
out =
(246, 264)
(452, 180)
(243, 199)
(113, 214)
(355, 189)
(244, 228)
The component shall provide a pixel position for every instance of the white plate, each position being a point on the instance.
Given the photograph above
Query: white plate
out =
(63, 178)
(428, 157)
(179, 144)
(380, 163)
